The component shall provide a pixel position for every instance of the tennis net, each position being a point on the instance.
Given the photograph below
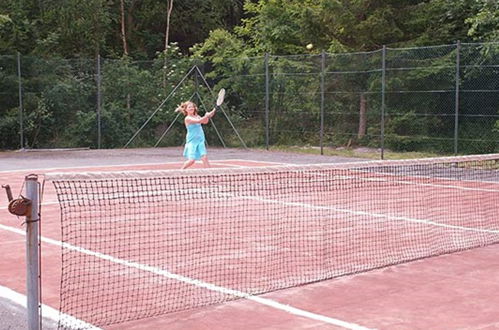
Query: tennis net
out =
(142, 244)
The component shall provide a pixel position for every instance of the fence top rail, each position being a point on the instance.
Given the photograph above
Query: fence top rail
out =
(294, 55)
(422, 47)
(480, 43)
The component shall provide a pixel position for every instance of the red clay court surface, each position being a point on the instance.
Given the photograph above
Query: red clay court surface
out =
(454, 291)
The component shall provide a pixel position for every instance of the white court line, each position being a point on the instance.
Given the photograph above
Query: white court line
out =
(229, 165)
(256, 161)
(371, 214)
(47, 311)
(246, 166)
(88, 166)
(441, 178)
(129, 165)
(198, 283)
(13, 241)
(434, 185)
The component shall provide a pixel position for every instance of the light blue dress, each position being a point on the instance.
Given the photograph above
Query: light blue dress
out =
(194, 142)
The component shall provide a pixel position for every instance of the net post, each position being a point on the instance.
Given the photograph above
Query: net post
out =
(32, 254)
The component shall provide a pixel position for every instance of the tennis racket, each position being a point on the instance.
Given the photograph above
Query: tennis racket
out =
(221, 96)
(220, 100)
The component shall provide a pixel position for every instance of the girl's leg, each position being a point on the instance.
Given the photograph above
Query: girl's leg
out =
(188, 163)
(205, 161)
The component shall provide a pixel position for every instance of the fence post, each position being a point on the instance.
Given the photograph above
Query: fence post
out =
(323, 73)
(267, 87)
(456, 110)
(383, 86)
(196, 82)
(21, 110)
(99, 126)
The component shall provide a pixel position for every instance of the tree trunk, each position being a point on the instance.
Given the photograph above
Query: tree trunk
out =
(125, 44)
(362, 117)
(123, 29)
(167, 33)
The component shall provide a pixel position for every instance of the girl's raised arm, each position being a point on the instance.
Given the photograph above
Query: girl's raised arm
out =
(197, 120)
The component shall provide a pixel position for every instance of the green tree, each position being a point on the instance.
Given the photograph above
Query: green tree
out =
(485, 21)
(19, 23)
(76, 28)
(285, 27)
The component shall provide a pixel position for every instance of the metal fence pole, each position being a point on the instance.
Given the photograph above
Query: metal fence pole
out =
(267, 100)
(383, 86)
(99, 126)
(21, 109)
(456, 116)
(32, 255)
(323, 73)
(196, 81)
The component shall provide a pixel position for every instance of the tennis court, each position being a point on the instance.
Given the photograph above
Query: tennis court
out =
(258, 242)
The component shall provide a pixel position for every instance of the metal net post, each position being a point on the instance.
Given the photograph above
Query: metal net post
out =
(32, 254)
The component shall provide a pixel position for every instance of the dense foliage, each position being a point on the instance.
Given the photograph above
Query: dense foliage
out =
(60, 41)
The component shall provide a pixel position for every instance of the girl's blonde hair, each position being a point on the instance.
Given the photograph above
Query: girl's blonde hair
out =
(183, 107)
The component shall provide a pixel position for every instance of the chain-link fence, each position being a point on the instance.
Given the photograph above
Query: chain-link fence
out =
(439, 99)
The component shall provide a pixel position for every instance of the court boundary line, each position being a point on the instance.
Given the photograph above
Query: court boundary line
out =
(46, 311)
(209, 286)
(371, 214)
(141, 164)
(443, 178)
(434, 185)
(229, 165)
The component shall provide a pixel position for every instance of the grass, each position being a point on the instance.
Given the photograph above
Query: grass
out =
(367, 153)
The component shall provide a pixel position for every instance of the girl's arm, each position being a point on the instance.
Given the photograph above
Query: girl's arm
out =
(197, 120)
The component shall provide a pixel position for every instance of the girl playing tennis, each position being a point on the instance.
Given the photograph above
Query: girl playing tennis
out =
(195, 141)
